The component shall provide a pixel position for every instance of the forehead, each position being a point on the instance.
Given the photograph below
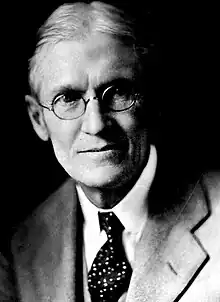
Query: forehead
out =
(85, 64)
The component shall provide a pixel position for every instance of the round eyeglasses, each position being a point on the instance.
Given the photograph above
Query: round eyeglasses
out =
(71, 105)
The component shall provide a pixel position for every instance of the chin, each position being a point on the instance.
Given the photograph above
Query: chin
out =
(100, 177)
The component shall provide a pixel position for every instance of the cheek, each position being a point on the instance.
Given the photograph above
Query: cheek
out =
(139, 144)
(62, 133)
(135, 129)
(133, 125)
(127, 121)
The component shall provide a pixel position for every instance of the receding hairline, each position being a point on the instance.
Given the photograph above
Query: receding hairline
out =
(78, 21)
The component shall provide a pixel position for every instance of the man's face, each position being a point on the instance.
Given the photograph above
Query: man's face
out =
(98, 149)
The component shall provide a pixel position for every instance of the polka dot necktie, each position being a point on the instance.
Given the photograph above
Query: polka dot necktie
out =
(110, 273)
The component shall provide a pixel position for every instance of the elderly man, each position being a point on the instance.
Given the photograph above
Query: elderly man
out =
(97, 238)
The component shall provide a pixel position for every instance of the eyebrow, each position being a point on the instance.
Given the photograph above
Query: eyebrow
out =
(114, 81)
(63, 89)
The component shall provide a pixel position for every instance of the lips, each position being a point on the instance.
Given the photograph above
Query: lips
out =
(107, 147)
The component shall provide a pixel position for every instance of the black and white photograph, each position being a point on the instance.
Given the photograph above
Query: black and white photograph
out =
(110, 153)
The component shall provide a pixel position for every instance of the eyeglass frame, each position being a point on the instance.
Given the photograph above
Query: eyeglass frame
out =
(51, 108)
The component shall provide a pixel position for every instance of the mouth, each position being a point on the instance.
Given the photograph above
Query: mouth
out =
(108, 147)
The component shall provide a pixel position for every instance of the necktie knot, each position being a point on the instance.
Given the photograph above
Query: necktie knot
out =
(110, 223)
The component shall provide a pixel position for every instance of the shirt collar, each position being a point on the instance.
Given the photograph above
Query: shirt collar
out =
(132, 209)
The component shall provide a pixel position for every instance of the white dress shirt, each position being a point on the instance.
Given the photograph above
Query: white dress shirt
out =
(131, 211)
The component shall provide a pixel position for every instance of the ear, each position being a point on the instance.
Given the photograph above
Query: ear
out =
(36, 115)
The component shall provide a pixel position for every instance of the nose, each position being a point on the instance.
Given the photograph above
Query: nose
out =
(93, 119)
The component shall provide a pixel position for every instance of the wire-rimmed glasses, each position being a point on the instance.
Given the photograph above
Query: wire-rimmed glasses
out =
(71, 105)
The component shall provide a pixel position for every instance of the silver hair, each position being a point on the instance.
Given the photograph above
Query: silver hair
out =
(75, 22)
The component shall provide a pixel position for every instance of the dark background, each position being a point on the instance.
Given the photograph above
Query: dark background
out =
(184, 66)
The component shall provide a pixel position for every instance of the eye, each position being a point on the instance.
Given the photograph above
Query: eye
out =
(118, 97)
(116, 93)
(68, 99)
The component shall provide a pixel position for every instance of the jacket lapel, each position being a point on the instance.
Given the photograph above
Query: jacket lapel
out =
(169, 255)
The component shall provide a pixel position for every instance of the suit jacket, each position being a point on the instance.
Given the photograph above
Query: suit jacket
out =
(177, 257)
(7, 293)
